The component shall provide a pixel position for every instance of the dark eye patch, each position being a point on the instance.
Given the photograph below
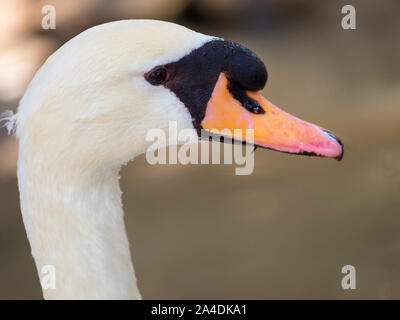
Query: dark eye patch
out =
(193, 77)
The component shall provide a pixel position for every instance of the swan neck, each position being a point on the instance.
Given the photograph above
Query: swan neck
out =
(75, 225)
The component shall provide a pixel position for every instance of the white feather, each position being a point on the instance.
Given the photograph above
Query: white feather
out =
(9, 119)
(85, 113)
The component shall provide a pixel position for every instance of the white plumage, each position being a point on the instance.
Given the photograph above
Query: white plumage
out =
(85, 113)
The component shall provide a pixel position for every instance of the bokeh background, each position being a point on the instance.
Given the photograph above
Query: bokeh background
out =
(285, 231)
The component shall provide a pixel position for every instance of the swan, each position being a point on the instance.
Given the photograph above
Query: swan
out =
(86, 113)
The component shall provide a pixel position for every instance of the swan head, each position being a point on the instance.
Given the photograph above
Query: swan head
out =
(95, 98)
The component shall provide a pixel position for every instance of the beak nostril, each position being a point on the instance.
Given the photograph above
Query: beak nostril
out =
(248, 103)
(253, 106)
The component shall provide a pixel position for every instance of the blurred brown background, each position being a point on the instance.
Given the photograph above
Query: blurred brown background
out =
(286, 230)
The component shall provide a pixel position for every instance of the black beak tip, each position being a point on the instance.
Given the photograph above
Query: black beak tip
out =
(339, 157)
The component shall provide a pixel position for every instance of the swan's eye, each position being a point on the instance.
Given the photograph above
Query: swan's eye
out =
(157, 76)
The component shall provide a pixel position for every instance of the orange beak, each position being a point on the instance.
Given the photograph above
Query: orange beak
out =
(275, 129)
